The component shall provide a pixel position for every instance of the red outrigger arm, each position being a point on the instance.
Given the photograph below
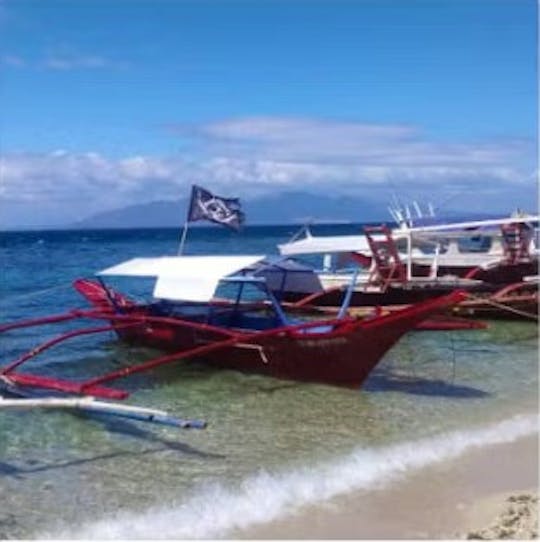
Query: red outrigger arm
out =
(71, 315)
(119, 322)
(64, 337)
(64, 386)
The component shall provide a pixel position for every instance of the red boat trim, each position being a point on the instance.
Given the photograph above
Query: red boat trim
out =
(457, 296)
(142, 318)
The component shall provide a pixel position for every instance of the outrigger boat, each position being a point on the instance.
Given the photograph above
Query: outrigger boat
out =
(410, 264)
(223, 311)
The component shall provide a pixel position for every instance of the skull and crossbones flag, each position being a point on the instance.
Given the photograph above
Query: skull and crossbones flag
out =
(206, 206)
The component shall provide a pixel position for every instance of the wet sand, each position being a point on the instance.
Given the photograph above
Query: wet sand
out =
(461, 498)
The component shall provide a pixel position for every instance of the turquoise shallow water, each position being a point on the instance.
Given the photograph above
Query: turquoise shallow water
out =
(58, 470)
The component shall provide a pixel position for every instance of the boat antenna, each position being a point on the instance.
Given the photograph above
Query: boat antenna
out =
(407, 212)
(449, 198)
(394, 214)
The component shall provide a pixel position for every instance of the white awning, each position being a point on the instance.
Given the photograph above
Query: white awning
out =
(325, 245)
(474, 224)
(183, 278)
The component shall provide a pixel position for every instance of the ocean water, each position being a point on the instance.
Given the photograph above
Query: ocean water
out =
(271, 446)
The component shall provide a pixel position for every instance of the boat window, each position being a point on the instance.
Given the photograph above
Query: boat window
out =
(240, 291)
(477, 243)
(244, 305)
(194, 311)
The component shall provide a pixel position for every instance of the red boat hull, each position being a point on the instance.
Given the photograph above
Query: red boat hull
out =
(485, 300)
(504, 273)
(343, 356)
(338, 351)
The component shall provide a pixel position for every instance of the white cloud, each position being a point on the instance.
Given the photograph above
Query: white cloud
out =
(253, 156)
(72, 61)
(316, 141)
(14, 61)
(62, 60)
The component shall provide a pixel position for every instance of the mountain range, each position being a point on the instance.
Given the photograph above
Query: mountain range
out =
(284, 208)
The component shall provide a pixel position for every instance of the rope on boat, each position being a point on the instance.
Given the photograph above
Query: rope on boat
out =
(453, 348)
(35, 293)
(257, 347)
(502, 306)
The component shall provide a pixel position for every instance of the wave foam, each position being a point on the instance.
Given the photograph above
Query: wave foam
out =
(217, 510)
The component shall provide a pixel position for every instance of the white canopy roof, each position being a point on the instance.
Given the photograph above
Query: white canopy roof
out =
(313, 244)
(325, 245)
(474, 224)
(183, 278)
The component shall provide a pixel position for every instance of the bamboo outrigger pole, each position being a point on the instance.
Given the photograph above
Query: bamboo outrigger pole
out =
(91, 405)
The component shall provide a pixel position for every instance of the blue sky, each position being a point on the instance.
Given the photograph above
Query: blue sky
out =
(108, 103)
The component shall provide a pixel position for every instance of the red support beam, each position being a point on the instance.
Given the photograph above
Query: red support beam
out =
(72, 315)
(65, 336)
(64, 386)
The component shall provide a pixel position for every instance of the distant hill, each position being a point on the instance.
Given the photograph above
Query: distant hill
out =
(285, 208)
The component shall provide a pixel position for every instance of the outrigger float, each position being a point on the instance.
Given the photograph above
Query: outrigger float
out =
(247, 330)
(90, 405)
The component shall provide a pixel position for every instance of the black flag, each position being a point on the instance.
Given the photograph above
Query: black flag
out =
(205, 206)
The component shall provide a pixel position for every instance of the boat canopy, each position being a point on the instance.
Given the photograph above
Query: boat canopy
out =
(325, 245)
(311, 244)
(284, 274)
(459, 229)
(183, 278)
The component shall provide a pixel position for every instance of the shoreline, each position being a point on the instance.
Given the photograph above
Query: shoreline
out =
(461, 498)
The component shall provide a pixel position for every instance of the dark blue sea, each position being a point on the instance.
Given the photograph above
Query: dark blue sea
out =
(271, 447)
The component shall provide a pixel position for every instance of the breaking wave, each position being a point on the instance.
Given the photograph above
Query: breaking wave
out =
(217, 510)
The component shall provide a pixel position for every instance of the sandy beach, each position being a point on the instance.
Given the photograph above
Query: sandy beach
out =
(490, 492)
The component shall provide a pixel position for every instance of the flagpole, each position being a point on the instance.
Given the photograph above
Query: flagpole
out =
(186, 223)
(183, 238)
